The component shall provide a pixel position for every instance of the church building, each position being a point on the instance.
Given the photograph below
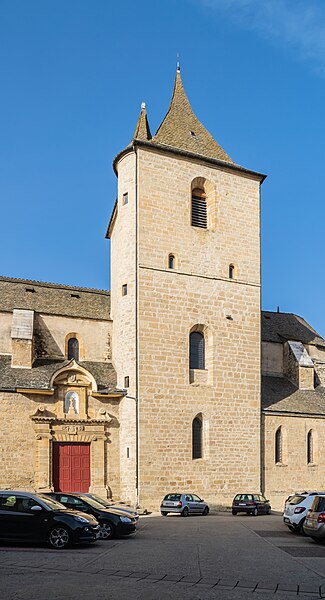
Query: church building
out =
(174, 380)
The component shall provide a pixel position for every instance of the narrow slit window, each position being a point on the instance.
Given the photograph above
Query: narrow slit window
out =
(124, 289)
(171, 261)
(126, 381)
(125, 199)
(231, 271)
(310, 448)
(197, 445)
(278, 446)
(199, 209)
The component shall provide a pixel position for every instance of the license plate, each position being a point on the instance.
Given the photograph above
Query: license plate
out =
(169, 503)
(241, 504)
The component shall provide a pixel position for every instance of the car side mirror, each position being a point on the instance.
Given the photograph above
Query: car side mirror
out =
(201, 500)
(36, 508)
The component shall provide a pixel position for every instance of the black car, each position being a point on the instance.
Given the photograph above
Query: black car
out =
(109, 504)
(26, 517)
(112, 522)
(251, 504)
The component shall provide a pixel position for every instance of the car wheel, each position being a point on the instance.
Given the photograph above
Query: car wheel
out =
(255, 512)
(300, 528)
(185, 512)
(206, 511)
(164, 514)
(59, 537)
(106, 530)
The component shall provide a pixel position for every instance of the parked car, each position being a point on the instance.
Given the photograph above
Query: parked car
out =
(112, 522)
(296, 508)
(314, 525)
(183, 504)
(251, 504)
(109, 504)
(26, 517)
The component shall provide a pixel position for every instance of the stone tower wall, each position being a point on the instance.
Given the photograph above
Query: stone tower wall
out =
(171, 302)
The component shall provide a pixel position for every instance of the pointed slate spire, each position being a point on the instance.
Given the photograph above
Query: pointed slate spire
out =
(142, 129)
(182, 130)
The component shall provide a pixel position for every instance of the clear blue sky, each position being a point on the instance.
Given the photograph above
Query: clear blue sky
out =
(73, 75)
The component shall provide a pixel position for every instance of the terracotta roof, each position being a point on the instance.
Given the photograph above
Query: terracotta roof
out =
(40, 374)
(279, 327)
(52, 298)
(280, 395)
(181, 129)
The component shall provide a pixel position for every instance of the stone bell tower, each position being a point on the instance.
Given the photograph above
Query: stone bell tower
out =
(185, 287)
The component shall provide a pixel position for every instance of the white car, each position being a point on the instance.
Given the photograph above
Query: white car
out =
(296, 508)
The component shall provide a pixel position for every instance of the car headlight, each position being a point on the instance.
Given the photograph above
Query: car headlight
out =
(81, 519)
(126, 520)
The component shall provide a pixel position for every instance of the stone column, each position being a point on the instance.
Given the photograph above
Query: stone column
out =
(97, 467)
(43, 474)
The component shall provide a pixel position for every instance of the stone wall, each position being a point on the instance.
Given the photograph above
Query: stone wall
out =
(123, 313)
(293, 473)
(171, 303)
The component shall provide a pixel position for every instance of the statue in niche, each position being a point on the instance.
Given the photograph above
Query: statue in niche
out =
(71, 404)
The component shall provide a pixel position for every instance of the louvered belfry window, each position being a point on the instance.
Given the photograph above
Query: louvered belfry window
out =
(199, 209)
(197, 438)
(196, 350)
(73, 349)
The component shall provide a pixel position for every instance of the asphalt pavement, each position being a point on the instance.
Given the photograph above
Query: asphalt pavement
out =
(218, 556)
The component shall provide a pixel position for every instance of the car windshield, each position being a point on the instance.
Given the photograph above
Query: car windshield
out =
(174, 497)
(51, 503)
(98, 499)
(92, 502)
(296, 499)
(244, 497)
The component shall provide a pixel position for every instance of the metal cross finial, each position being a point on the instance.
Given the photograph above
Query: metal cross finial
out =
(178, 65)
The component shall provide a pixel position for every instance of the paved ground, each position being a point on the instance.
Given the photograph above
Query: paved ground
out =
(219, 556)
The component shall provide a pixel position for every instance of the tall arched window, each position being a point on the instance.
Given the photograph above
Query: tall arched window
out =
(278, 445)
(197, 430)
(310, 447)
(73, 349)
(199, 209)
(231, 271)
(197, 359)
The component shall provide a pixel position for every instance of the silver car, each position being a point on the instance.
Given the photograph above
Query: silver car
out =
(314, 525)
(183, 504)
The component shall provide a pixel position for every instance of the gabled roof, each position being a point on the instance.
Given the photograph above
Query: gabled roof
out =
(182, 130)
(280, 327)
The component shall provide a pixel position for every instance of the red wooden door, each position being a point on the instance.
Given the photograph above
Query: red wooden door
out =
(71, 467)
